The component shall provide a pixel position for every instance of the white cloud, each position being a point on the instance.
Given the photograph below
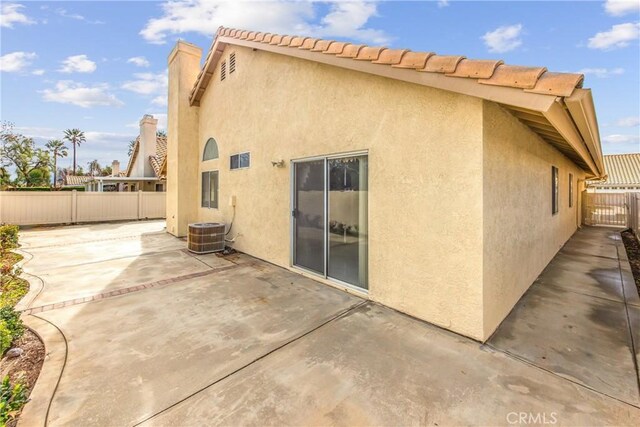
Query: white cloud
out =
(621, 139)
(16, 61)
(503, 39)
(78, 64)
(344, 19)
(160, 101)
(443, 3)
(38, 72)
(69, 92)
(631, 121)
(10, 14)
(618, 36)
(162, 120)
(76, 16)
(621, 7)
(139, 61)
(148, 84)
(602, 72)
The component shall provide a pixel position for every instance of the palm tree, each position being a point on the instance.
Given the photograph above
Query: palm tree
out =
(94, 167)
(132, 144)
(57, 149)
(76, 137)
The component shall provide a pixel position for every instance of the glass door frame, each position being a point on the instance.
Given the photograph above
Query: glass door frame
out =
(292, 208)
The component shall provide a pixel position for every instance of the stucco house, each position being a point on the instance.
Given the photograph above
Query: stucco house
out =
(622, 175)
(147, 166)
(437, 185)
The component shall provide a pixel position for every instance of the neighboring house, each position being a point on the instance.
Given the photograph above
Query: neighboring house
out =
(436, 185)
(75, 180)
(623, 175)
(146, 170)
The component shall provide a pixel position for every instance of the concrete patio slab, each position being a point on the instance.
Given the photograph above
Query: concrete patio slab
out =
(586, 340)
(132, 356)
(72, 234)
(237, 341)
(598, 282)
(65, 283)
(374, 366)
(573, 322)
(90, 253)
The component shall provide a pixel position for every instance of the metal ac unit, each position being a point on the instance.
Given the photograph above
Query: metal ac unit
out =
(206, 237)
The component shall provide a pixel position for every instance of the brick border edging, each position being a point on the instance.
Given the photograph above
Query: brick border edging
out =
(124, 291)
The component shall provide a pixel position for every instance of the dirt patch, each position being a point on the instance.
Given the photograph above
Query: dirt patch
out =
(26, 367)
(632, 246)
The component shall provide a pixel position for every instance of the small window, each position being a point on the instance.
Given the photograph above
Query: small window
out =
(210, 189)
(223, 70)
(570, 190)
(210, 150)
(232, 62)
(240, 161)
(554, 190)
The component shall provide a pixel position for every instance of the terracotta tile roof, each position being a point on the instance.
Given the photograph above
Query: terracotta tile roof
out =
(622, 169)
(491, 72)
(157, 162)
(76, 179)
(553, 105)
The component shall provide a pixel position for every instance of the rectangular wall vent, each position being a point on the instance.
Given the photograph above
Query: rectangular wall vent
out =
(232, 62)
(223, 70)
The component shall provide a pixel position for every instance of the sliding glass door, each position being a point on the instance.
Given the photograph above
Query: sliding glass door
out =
(330, 217)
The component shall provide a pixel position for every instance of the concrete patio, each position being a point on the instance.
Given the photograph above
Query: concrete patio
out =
(140, 332)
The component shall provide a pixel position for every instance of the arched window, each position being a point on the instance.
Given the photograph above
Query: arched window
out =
(210, 150)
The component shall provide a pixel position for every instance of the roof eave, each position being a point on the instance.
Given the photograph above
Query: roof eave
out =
(582, 110)
(576, 123)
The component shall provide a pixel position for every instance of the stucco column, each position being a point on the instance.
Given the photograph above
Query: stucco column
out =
(182, 139)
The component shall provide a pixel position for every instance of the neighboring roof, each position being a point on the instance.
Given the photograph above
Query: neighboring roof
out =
(157, 162)
(553, 105)
(622, 169)
(76, 179)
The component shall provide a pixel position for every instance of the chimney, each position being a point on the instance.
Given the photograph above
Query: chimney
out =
(115, 168)
(148, 128)
(183, 139)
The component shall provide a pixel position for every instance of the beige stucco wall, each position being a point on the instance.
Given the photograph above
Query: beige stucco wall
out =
(459, 213)
(521, 235)
(425, 169)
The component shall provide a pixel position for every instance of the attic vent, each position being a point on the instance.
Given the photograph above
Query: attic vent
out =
(232, 62)
(223, 70)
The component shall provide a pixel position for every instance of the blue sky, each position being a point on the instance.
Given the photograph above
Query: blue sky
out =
(99, 66)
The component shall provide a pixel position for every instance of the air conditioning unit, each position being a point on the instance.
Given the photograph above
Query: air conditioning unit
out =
(206, 237)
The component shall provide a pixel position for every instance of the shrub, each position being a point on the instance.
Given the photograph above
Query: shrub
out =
(11, 319)
(5, 338)
(12, 399)
(8, 237)
(12, 289)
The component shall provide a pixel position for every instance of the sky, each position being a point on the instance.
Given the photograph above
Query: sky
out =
(100, 66)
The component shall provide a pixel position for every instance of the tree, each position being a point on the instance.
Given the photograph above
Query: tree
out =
(161, 134)
(56, 149)
(76, 137)
(94, 167)
(79, 171)
(132, 144)
(31, 163)
(106, 171)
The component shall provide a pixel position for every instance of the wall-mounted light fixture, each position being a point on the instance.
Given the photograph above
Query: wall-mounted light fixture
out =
(277, 164)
